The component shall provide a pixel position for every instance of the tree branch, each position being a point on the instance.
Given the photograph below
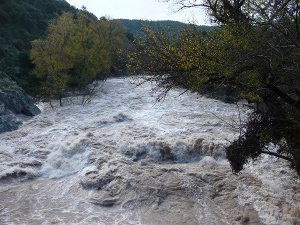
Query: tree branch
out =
(284, 96)
(278, 155)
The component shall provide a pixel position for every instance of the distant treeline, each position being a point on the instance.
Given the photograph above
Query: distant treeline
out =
(134, 27)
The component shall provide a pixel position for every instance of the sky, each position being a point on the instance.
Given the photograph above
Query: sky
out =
(140, 9)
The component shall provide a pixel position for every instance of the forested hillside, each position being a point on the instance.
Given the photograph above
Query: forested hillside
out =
(22, 21)
(135, 26)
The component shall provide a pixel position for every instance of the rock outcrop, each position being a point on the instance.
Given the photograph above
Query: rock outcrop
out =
(13, 102)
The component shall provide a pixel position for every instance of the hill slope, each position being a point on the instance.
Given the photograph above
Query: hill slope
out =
(22, 21)
(134, 26)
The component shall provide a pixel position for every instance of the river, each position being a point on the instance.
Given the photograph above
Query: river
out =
(124, 158)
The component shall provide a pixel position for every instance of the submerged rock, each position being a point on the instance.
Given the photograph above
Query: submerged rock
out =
(13, 101)
(103, 198)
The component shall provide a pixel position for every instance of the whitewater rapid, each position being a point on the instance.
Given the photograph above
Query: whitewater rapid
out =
(124, 158)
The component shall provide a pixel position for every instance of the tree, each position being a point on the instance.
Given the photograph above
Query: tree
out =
(51, 57)
(22, 21)
(255, 50)
(76, 50)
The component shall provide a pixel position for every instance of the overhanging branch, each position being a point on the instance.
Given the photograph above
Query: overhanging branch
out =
(278, 155)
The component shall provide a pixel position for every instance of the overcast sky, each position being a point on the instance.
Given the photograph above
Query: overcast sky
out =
(139, 9)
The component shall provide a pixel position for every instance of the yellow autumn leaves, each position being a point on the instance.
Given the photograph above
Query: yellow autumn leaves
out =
(193, 60)
(76, 50)
(185, 59)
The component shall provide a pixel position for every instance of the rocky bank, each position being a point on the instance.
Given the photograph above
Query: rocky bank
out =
(15, 104)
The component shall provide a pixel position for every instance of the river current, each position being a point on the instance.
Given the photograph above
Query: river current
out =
(124, 158)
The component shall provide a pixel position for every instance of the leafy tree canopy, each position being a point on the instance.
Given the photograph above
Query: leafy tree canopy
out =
(256, 51)
(77, 49)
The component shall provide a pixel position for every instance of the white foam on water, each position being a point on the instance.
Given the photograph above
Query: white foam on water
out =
(18, 171)
(66, 159)
(148, 162)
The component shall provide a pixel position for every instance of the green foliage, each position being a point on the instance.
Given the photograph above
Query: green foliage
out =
(256, 51)
(135, 27)
(22, 21)
(174, 60)
(259, 132)
(77, 49)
